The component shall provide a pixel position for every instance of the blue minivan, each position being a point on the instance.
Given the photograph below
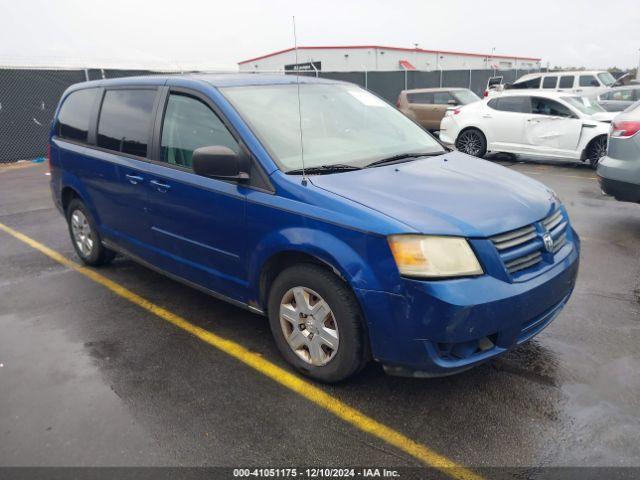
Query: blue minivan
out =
(320, 206)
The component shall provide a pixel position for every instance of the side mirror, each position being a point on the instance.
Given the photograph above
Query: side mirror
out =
(452, 102)
(220, 162)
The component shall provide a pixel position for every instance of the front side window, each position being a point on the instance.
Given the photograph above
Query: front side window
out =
(511, 104)
(441, 98)
(625, 95)
(546, 106)
(588, 81)
(549, 82)
(125, 121)
(190, 124)
(420, 98)
(566, 81)
(341, 124)
(75, 115)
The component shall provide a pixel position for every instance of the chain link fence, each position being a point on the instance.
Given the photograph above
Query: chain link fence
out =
(28, 97)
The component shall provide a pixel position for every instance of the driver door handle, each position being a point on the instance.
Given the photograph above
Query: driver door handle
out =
(134, 179)
(161, 187)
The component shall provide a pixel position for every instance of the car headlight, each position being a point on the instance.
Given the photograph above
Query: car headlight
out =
(427, 256)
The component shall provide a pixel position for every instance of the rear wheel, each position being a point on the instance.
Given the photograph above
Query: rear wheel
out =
(596, 150)
(84, 236)
(472, 142)
(316, 322)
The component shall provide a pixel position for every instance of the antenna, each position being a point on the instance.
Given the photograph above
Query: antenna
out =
(297, 67)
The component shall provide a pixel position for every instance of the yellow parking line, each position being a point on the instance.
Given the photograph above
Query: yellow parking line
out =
(293, 382)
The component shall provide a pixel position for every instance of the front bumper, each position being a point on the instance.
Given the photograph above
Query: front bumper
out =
(443, 327)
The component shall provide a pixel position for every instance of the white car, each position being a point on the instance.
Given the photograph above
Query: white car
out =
(548, 124)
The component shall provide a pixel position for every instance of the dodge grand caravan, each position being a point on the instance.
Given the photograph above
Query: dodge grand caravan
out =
(357, 233)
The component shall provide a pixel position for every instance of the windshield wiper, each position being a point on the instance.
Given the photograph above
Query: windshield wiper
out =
(319, 170)
(403, 156)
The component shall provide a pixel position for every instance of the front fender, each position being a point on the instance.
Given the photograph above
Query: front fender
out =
(354, 259)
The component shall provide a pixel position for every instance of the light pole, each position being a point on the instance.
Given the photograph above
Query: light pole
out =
(493, 51)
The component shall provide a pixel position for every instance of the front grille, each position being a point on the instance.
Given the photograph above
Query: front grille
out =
(524, 247)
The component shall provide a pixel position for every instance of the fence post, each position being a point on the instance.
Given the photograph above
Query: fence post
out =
(469, 79)
(440, 78)
(405, 78)
(86, 74)
(366, 79)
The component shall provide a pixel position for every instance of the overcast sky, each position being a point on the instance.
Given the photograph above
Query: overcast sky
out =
(216, 35)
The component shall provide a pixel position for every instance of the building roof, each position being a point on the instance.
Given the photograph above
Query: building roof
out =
(381, 47)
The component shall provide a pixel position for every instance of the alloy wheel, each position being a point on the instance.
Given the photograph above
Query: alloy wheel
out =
(82, 235)
(469, 143)
(309, 326)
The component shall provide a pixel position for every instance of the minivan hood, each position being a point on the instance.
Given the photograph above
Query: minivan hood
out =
(451, 194)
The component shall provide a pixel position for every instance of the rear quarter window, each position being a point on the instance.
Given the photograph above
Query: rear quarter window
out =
(533, 83)
(75, 115)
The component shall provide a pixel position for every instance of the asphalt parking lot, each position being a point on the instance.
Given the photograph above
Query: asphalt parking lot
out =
(89, 378)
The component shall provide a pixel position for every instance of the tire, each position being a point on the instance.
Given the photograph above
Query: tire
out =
(596, 150)
(343, 323)
(472, 142)
(85, 237)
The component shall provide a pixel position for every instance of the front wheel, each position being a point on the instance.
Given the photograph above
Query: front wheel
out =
(316, 322)
(597, 150)
(472, 142)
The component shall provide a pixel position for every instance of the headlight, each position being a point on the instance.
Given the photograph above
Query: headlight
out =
(432, 257)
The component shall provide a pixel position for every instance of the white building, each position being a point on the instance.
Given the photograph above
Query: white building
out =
(375, 57)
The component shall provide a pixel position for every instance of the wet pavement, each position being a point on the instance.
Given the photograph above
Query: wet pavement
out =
(87, 378)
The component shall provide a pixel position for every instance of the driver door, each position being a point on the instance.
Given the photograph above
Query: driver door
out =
(198, 223)
(552, 128)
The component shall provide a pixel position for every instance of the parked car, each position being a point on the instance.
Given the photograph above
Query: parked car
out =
(619, 170)
(584, 82)
(427, 106)
(619, 98)
(372, 241)
(549, 124)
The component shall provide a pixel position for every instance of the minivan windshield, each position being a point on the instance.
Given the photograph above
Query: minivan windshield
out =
(606, 78)
(341, 125)
(584, 104)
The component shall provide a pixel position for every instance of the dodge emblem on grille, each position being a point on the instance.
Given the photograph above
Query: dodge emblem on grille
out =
(548, 241)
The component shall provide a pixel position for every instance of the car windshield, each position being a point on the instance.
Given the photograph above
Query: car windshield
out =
(606, 78)
(584, 105)
(465, 96)
(341, 125)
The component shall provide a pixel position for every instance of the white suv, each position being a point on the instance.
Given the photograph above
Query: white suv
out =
(584, 82)
(549, 124)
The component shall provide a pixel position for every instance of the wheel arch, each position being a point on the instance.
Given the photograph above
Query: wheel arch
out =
(584, 156)
(285, 248)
